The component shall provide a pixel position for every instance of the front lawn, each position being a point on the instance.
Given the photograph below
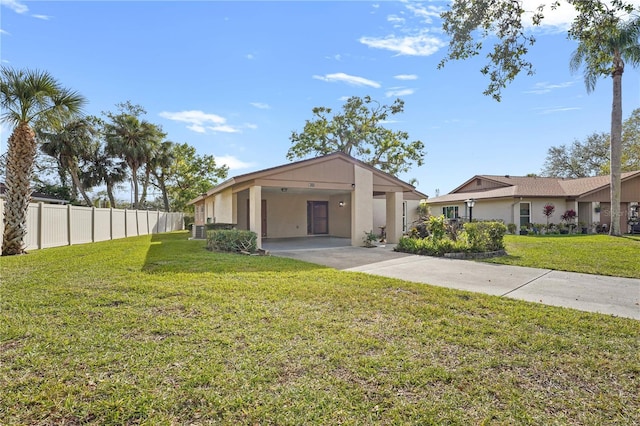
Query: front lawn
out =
(157, 330)
(590, 254)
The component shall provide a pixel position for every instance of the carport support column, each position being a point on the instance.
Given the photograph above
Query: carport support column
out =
(361, 205)
(255, 212)
(394, 217)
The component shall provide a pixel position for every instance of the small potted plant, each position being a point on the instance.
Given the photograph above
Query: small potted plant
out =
(583, 227)
(369, 239)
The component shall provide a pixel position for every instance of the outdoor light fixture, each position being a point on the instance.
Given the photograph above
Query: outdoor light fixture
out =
(470, 203)
(283, 189)
(353, 185)
(341, 204)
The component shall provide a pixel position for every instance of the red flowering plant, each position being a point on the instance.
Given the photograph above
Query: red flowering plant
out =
(548, 210)
(568, 217)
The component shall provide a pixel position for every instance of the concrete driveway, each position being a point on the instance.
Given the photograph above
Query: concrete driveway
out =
(592, 293)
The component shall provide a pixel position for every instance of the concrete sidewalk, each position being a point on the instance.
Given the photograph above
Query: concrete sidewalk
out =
(592, 293)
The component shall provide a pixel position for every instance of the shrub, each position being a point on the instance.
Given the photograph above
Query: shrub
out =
(232, 240)
(437, 227)
(475, 237)
(512, 228)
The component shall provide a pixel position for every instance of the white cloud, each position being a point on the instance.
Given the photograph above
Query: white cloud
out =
(224, 128)
(200, 121)
(232, 162)
(426, 13)
(193, 117)
(4, 32)
(197, 128)
(422, 44)
(545, 87)
(43, 17)
(398, 91)
(15, 5)
(553, 110)
(249, 56)
(260, 105)
(250, 126)
(396, 20)
(349, 79)
(559, 19)
(405, 77)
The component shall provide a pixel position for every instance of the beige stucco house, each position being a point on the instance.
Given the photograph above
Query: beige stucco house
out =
(334, 195)
(520, 200)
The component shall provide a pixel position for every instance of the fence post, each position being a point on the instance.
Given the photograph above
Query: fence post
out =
(93, 224)
(69, 223)
(40, 224)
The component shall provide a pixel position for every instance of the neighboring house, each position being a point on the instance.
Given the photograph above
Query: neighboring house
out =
(36, 197)
(520, 200)
(335, 195)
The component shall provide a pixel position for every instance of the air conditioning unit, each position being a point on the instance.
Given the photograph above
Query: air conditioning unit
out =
(200, 232)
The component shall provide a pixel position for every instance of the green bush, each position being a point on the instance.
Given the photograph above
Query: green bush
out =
(483, 236)
(232, 240)
(476, 237)
(437, 227)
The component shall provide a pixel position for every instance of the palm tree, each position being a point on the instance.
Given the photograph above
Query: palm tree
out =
(105, 168)
(27, 97)
(131, 139)
(604, 50)
(160, 165)
(69, 144)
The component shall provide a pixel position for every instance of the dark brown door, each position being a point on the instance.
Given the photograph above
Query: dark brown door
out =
(317, 217)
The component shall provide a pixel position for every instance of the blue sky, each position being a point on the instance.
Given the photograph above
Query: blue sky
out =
(234, 79)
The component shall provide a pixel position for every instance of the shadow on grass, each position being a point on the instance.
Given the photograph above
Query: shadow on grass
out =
(175, 252)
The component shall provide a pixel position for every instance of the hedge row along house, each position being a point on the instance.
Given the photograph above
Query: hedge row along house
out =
(521, 200)
(332, 195)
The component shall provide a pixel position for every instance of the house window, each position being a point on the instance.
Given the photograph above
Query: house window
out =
(404, 216)
(525, 214)
(450, 212)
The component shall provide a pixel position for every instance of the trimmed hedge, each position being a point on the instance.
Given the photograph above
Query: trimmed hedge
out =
(232, 240)
(475, 237)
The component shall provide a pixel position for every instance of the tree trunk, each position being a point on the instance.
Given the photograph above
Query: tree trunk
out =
(112, 199)
(21, 154)
(78, 184)
(134, 179)
(165, 195)
(616, 150)
(145, 185)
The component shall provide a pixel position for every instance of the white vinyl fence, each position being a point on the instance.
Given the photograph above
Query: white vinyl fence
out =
(52, 225)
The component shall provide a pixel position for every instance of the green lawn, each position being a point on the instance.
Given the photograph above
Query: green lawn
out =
(156, 330)
(590, 254)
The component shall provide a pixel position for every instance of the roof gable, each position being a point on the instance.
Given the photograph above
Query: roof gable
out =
(327, 169)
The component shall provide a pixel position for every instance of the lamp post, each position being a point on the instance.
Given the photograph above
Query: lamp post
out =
(470, 203)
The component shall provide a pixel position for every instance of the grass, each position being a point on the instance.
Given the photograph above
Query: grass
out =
(590, 254)
(156, 330)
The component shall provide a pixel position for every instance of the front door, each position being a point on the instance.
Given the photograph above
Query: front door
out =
(317, 217)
